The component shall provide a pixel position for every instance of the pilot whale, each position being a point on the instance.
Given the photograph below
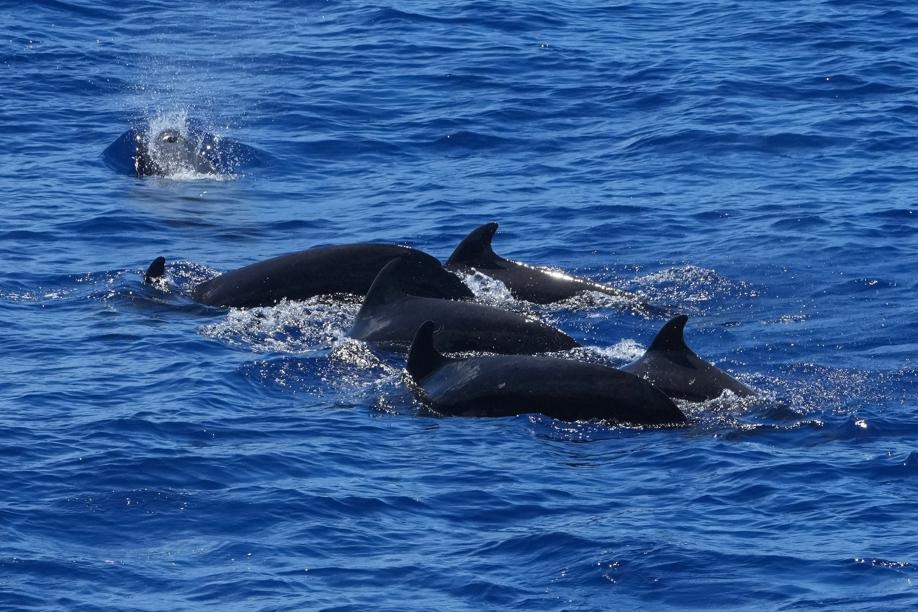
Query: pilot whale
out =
(525, 282)
(347, 268)
(390, 316)
(181, 149)
(671, 366)
(506, 385)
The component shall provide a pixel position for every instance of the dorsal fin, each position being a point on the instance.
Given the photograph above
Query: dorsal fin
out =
(387, 286)
(475, 249)
(672, 336)
(423, 357)
(156, 270)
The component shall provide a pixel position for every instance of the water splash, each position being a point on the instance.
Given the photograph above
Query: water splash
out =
(289, 327)
(488, 290)
(174, 147)
(622, 352)
(690, 286)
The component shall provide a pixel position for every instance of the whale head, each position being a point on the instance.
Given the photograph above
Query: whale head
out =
(171, 152)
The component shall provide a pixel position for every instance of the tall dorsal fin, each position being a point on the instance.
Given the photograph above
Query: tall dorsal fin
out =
(475, 249)
(387, 286)
(672, 336)
(156, 270)
(423, 357)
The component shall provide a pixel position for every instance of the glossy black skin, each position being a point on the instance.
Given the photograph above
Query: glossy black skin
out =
(348, 268)
(525, 282)
(390, 316)
(173, 151)
(507, 385)
(671, 366)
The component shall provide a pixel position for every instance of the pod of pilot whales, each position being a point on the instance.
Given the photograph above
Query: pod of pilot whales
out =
(413, 302)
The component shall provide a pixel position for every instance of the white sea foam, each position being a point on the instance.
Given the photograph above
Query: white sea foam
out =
(290, 327)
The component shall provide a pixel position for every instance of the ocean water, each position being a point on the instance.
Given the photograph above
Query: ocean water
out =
(751, 164)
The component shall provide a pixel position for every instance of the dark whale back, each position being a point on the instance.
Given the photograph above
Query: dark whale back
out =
(525, 282)
(506, 385)
(390, 316)
(671, 366)
(348, 268)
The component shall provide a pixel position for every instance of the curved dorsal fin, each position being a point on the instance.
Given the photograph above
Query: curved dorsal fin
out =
(386, 286)
(156, 270)
(423, 357)
(475, 249)
(672, 336)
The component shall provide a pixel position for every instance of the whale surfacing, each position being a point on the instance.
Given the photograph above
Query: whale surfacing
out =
(507, 385)
(671, 366)
(347, 268)
(524, 281)
(391, 316)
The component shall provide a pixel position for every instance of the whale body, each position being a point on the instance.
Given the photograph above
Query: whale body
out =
(348, 268)
(525, 282)
(390, 316)
(506, 385)
(671, 366)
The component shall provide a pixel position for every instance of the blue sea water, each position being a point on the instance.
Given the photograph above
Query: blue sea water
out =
(752, 164)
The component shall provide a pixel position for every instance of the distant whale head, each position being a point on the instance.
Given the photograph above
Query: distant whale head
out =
(177, 150)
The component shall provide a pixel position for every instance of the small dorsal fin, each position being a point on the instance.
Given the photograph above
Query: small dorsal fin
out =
(156, 270)
(475, 249)
(672, 336)
(387, 285)
(423, 357)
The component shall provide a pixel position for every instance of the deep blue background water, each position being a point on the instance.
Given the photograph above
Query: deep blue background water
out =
(750, 163)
